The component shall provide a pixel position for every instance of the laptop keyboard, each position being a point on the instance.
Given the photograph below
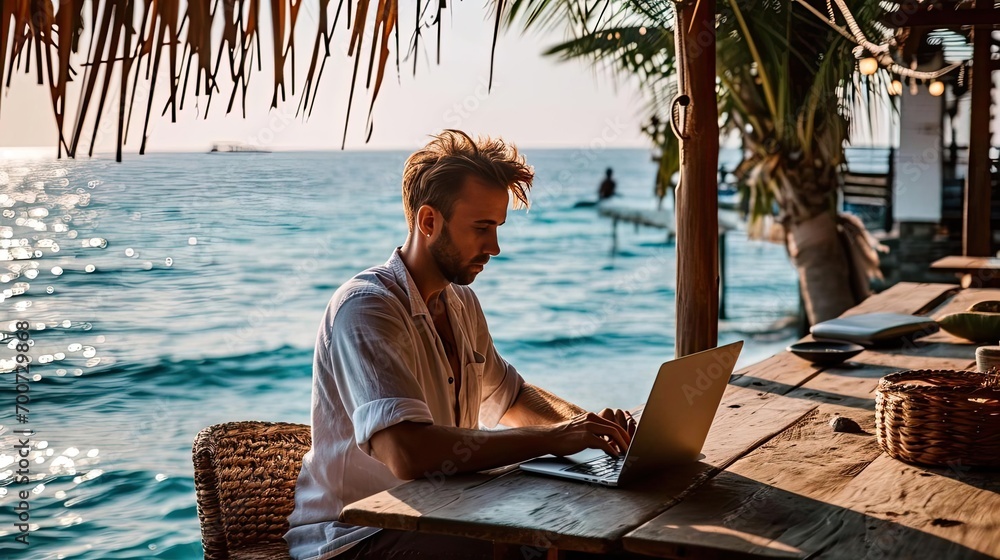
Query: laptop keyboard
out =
(601, 467)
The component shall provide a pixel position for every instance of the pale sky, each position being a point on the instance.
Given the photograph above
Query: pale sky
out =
(535, 101)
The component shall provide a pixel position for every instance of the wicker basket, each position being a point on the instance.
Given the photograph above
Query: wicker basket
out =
(940, 417)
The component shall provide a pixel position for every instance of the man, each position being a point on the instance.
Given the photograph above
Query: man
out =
(405, 373)
(607, 188)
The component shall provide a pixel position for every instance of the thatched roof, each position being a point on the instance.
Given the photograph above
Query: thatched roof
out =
(131, 40)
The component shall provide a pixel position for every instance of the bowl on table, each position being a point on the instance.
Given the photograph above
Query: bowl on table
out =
(826, 352)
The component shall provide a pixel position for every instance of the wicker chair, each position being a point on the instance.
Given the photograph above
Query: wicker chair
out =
(244, 477)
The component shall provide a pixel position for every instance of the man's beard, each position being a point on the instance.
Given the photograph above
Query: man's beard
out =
(449, 261)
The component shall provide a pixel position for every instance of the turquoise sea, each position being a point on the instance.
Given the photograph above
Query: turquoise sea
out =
(175, 291)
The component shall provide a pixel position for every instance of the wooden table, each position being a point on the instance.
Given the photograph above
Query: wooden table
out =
(973, 272)
(776, 481)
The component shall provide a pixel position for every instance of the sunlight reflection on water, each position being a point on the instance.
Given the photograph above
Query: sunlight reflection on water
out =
(42, 216)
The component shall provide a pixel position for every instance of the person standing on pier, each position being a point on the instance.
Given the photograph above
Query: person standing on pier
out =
(607, 188)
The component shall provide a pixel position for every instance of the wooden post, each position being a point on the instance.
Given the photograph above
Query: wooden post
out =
(890, 197)
(976, 232)
(722, 274)
(614, 236)
(695, 120)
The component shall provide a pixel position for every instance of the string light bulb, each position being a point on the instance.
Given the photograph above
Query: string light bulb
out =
(868, 66)
(896, 87)
(936, 88)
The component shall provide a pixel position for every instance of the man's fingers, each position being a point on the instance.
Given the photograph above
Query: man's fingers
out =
(631, 424)
(609, 427)
(618, 419)
(611, 423)
(605, 445)
(625, 421)
(612, 430)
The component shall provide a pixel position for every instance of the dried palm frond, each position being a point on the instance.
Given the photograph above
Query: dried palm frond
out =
(128, 40)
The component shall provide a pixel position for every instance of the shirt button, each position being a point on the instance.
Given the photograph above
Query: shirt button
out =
(451, 380)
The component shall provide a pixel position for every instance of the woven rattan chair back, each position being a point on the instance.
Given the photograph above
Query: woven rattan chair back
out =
(244, 477)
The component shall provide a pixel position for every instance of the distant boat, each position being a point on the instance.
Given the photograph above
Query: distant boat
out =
(235, 147)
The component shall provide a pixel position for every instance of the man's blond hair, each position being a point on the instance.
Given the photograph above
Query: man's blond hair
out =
(434, 174)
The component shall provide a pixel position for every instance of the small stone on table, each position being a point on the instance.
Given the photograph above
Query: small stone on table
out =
(846, 425)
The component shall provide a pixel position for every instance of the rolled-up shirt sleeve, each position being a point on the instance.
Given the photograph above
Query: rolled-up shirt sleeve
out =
(378, 415)
(374, 355)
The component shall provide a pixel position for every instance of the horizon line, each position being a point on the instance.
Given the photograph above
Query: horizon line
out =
(48, 151)
(205, 150)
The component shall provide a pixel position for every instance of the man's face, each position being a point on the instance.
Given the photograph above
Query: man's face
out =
(469, 237)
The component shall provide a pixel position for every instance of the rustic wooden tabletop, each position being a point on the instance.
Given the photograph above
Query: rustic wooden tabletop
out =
(956, 263)
(776, 480)
(972, 272)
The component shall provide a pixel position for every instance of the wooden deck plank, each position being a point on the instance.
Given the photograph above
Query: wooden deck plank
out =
(748, 508)
(778, 374)
(958, 263)
(401, 507)
(963, 299)
(871, 517)
(924, 348)
(747, 418)
(973, 272)
(905, 297)
(555, 513)
(854, 384)
(956, 516)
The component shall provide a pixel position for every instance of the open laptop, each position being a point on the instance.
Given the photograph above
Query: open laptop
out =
(671, 428)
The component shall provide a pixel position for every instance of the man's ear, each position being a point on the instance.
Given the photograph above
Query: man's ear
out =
(426, 220)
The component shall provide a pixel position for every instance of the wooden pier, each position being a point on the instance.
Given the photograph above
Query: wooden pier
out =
(638, 216)
(663, 218)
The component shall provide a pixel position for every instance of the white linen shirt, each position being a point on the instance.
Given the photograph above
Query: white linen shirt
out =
(379, 361)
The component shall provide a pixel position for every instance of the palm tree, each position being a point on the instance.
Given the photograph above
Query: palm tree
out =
(785, 83)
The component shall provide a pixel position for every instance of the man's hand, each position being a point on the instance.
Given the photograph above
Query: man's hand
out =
(589, 431)
(621, 417)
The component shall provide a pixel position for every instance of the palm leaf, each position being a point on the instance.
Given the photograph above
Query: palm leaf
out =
(172, 40)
